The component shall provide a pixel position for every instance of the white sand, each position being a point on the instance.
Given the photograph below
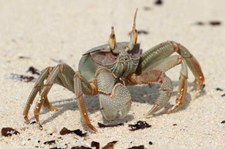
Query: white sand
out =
(63, 30)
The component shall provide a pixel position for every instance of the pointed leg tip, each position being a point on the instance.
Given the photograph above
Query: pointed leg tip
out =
(169, 111)
(40, 126)
(151, 113)
(92, 128)
(53, 108)
(88, 126)
(27, 121)
(148, 116)
(196, 94)
(179, 102)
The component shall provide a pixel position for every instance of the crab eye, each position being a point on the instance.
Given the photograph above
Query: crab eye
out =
(133, 34)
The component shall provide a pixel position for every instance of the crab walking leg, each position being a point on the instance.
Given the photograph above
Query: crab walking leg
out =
(169, 63)
(164, 50)
(81, 104)
(155, 76)
(75, 82)
(182, 90)
(44, 92)
(56, 76)
(115, 99)
(46, 102)
(166, 63)
(63, 75)
(61, 80)
(193, 65)
(35, 90)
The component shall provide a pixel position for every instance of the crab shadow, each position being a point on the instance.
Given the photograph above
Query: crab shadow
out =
(141, 94)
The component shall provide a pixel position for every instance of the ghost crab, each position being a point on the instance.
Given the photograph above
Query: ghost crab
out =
(107, 70)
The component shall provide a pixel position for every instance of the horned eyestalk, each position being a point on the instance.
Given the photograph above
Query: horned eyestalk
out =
(112, 39)
(134, 34)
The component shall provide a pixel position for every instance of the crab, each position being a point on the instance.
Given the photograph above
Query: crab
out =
(108, 69)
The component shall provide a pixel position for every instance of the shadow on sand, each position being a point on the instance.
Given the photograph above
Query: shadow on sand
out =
(142, 94)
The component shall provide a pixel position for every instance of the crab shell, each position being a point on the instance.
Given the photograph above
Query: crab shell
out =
(121, 63)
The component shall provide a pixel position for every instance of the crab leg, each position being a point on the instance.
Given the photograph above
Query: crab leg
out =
(169, 63)
(45, 90)
(79, 96)
(155, 76)
(37, 87)
(193, 65)
(164, 50)
(182, 90)
(46, 102)
(63, 75)
(158, 58)
(166, 63)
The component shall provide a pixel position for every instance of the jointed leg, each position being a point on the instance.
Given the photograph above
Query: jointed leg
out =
(164, 50)
(168, 63)
(182, 90)
(44, 92)
(193, 65)
(46, 102)
(158, 58)
(63, 75)
(35, 90)
(79, 96)
(52, 75)
(155, 76)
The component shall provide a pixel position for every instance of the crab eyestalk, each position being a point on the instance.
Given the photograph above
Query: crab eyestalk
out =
(112, 39)
(134, 34)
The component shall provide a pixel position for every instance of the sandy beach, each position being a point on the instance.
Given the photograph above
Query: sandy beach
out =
(47, 32)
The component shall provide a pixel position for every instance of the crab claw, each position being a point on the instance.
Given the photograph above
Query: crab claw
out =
(117, 104)
(115, 99)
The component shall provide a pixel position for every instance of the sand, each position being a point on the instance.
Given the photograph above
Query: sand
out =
(42, 33)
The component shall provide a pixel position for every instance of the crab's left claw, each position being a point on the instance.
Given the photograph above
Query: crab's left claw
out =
(115, 99)
(116, 104)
